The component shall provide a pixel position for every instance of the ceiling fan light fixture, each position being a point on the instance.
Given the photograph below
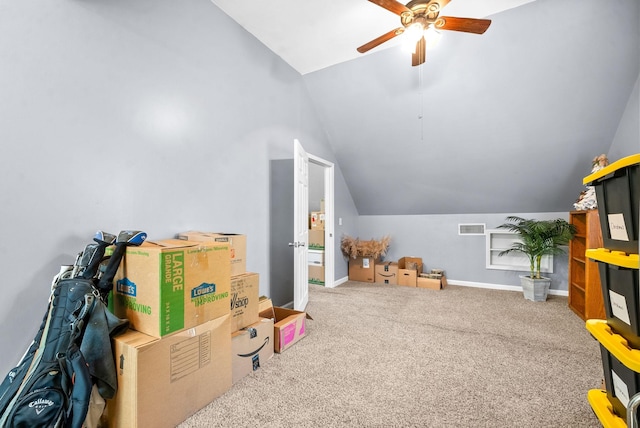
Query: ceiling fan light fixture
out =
(432, 37)
(414, 32)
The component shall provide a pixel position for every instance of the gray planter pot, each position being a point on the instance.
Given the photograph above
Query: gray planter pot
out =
(536, 290)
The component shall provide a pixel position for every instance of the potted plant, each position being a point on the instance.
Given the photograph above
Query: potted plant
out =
(537, 238)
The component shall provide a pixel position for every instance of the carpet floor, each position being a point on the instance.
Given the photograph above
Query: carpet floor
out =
(390, 356)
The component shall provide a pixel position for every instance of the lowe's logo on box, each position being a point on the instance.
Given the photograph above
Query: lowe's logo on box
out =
(202, 290)
(125, 286)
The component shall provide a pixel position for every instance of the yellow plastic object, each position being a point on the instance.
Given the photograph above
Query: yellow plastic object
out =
(609, 169)
(604, 410)
(615, 344)
(618, 258)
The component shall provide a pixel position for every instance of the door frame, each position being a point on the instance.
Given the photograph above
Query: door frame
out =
(329, 238)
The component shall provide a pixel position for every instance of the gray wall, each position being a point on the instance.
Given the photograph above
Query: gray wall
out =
(316, 186)
(627, 139)
(154, 114)
(435, 239)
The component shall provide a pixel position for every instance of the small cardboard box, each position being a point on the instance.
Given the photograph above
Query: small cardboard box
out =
(245, 291)
(166, 286)
(161, 382)
(316, 220)
(386, 273)
(289, 325)
(251, 347)
(408, 270)
(237, 245)
(316, 275)
(316, 239)
(432, 283)
(362, 269)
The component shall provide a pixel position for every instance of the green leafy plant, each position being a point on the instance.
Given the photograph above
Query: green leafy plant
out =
(538, 238)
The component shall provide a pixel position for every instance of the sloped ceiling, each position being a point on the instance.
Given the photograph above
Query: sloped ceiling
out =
(504, 122)
(314, 34)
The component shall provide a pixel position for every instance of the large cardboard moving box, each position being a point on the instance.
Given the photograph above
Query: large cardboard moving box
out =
(316, 239)
(237, 244)
(161, 382)
(166, 286)
(316, 275)
(251, 347)
(316, 220)
(362, 269)
(289, 325)
(245, 292)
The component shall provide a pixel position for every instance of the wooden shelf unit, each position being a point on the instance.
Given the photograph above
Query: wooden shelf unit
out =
(585, 292)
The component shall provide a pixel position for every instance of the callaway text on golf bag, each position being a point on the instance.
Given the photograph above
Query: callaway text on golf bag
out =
(71, 351)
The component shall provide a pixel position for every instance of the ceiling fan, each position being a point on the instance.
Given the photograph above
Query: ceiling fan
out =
(421, 16)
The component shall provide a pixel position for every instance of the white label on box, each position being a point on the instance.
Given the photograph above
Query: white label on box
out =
(617, 228)
(365, 263)
(619, 307)
(190, 355)
(620, 389)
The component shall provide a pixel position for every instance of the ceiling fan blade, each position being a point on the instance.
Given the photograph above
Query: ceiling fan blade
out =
(392, 6)
(467, 25)
(420, 54)
(380, 40)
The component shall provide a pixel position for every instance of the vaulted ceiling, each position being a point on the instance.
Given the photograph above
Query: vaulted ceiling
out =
(503, 122)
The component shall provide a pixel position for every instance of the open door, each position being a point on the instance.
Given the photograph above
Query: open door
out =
(300, 227)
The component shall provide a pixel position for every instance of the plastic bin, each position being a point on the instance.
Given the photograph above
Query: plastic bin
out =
(603, 409)
(620, 364)
(617, 189)
(620, 291)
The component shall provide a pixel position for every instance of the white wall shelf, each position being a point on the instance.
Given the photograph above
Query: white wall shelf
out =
(498, 240)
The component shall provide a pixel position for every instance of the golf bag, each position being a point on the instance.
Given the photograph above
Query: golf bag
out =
(71, 352)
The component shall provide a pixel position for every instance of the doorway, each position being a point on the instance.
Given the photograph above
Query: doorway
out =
(285, 249)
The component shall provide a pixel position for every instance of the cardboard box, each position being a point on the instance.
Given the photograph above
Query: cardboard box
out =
(316, 220)
(316, 275)
(386, 273)
(161, 382)
(408, 270)
(166, 286)
(245, 292)
(251, 347)
(315, 258)
(316, 239)
(237, 245)
(362, 269)
(289, 325)
(432, 283)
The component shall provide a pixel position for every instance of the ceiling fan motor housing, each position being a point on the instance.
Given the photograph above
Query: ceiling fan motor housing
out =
(422, 12)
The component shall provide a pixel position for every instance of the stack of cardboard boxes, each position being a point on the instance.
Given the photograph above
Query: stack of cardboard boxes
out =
(407, 271)
(316, 248)
(195, 327)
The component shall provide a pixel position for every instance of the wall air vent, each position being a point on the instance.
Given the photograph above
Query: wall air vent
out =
(471, 229)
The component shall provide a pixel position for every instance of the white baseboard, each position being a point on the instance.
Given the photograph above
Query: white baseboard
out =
(340, 281)
(488, 285)
(500, 287)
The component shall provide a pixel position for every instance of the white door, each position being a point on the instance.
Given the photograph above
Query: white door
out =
(300, 227)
